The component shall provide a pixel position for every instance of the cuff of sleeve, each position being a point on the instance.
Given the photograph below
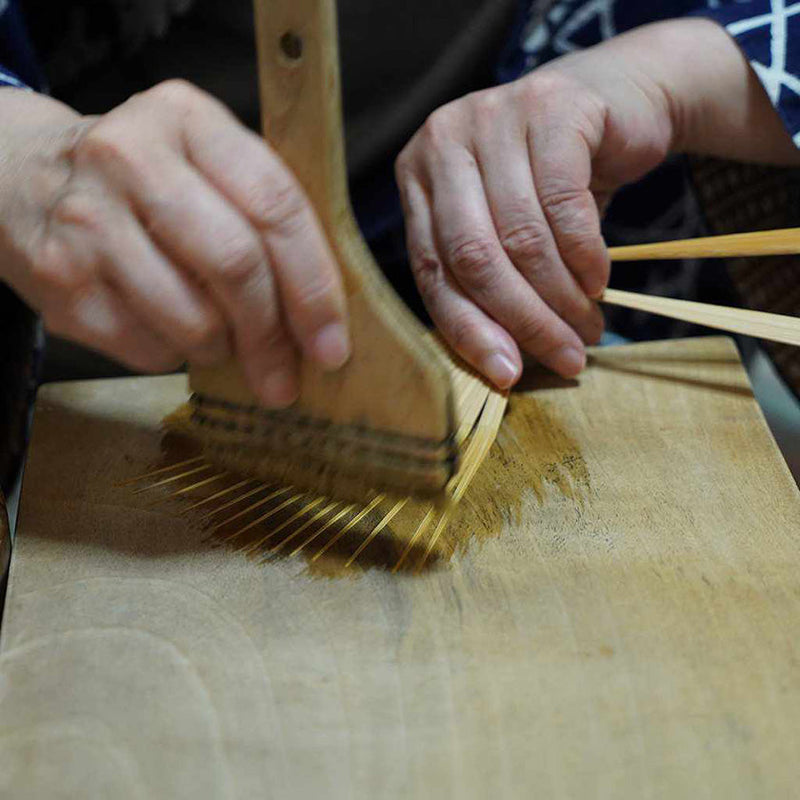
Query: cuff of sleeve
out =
(9, 79)
(771, 42)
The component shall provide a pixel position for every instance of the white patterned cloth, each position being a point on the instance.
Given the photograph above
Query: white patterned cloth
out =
(768, 31)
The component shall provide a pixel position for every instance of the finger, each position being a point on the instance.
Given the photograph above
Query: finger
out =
(562, 171)
(200, 230)
(478, 339)
(93, 227)
(98, 318)
(525, 234)
(251, 175)
(467, 240)
(179, 119)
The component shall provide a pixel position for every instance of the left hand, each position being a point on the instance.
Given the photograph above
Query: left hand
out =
(503, 228)
(503, 189)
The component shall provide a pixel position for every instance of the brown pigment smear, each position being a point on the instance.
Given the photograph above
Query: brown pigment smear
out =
(230, 509)
(533, 454)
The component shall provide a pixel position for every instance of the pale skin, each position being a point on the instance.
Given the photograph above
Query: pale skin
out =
(164, 232)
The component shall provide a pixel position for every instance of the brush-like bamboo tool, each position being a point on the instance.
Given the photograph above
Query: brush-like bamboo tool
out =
(763, 325)
(386, 420)
(785, 241)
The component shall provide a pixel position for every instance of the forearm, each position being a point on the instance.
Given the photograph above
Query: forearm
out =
(712, 99)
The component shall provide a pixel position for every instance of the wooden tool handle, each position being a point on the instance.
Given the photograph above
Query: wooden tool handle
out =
(300, 98)
(772, 327)
(396, 381)
(758, 243)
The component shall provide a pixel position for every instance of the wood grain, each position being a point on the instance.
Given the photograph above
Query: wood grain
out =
(620, 616)
(5, 548)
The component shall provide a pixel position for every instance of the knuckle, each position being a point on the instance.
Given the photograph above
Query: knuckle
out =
(403, 167)
(315, 298)
(472, 259)
(438, 127)
(573, 213)
(425, 265)
(525, 241)
(462, 332)
(488, 106)
(104, 145)
(176, 93)
(562, 200)
(239, 262)
(545, 84)
(80, 210)
(54, 268)
(282, 209)
(158, 212)
(530, 330)
(575, 217)
(203, 332)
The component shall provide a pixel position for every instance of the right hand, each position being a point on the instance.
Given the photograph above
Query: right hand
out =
(165, 232)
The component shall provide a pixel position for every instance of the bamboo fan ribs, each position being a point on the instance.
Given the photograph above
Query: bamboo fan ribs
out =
(265, 519)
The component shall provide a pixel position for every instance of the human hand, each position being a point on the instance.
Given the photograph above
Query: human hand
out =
(502, 192)
(165, 232)
(503, 189)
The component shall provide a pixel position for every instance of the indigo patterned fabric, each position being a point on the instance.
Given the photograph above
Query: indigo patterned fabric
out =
(18, 64)
(768, 31)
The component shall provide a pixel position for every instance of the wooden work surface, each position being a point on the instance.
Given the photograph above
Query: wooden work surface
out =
(631, 630)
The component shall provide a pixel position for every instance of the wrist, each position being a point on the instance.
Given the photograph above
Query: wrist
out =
(653, 73)
(35, 145)
(692, 62)
(713, 99)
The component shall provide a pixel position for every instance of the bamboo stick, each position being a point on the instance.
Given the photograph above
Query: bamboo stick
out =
(757, 243)
(773, 327)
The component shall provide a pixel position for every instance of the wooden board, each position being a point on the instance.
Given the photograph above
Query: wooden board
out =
(5, 548)
(629, 627)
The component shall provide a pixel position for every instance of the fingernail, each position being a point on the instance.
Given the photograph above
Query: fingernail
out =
(569, 362)
(279, 389)
(500, 370)
(331, 346)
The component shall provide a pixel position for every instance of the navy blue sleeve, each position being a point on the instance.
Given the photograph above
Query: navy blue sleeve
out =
(18, 63)
(9, 79)
(768, 31)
